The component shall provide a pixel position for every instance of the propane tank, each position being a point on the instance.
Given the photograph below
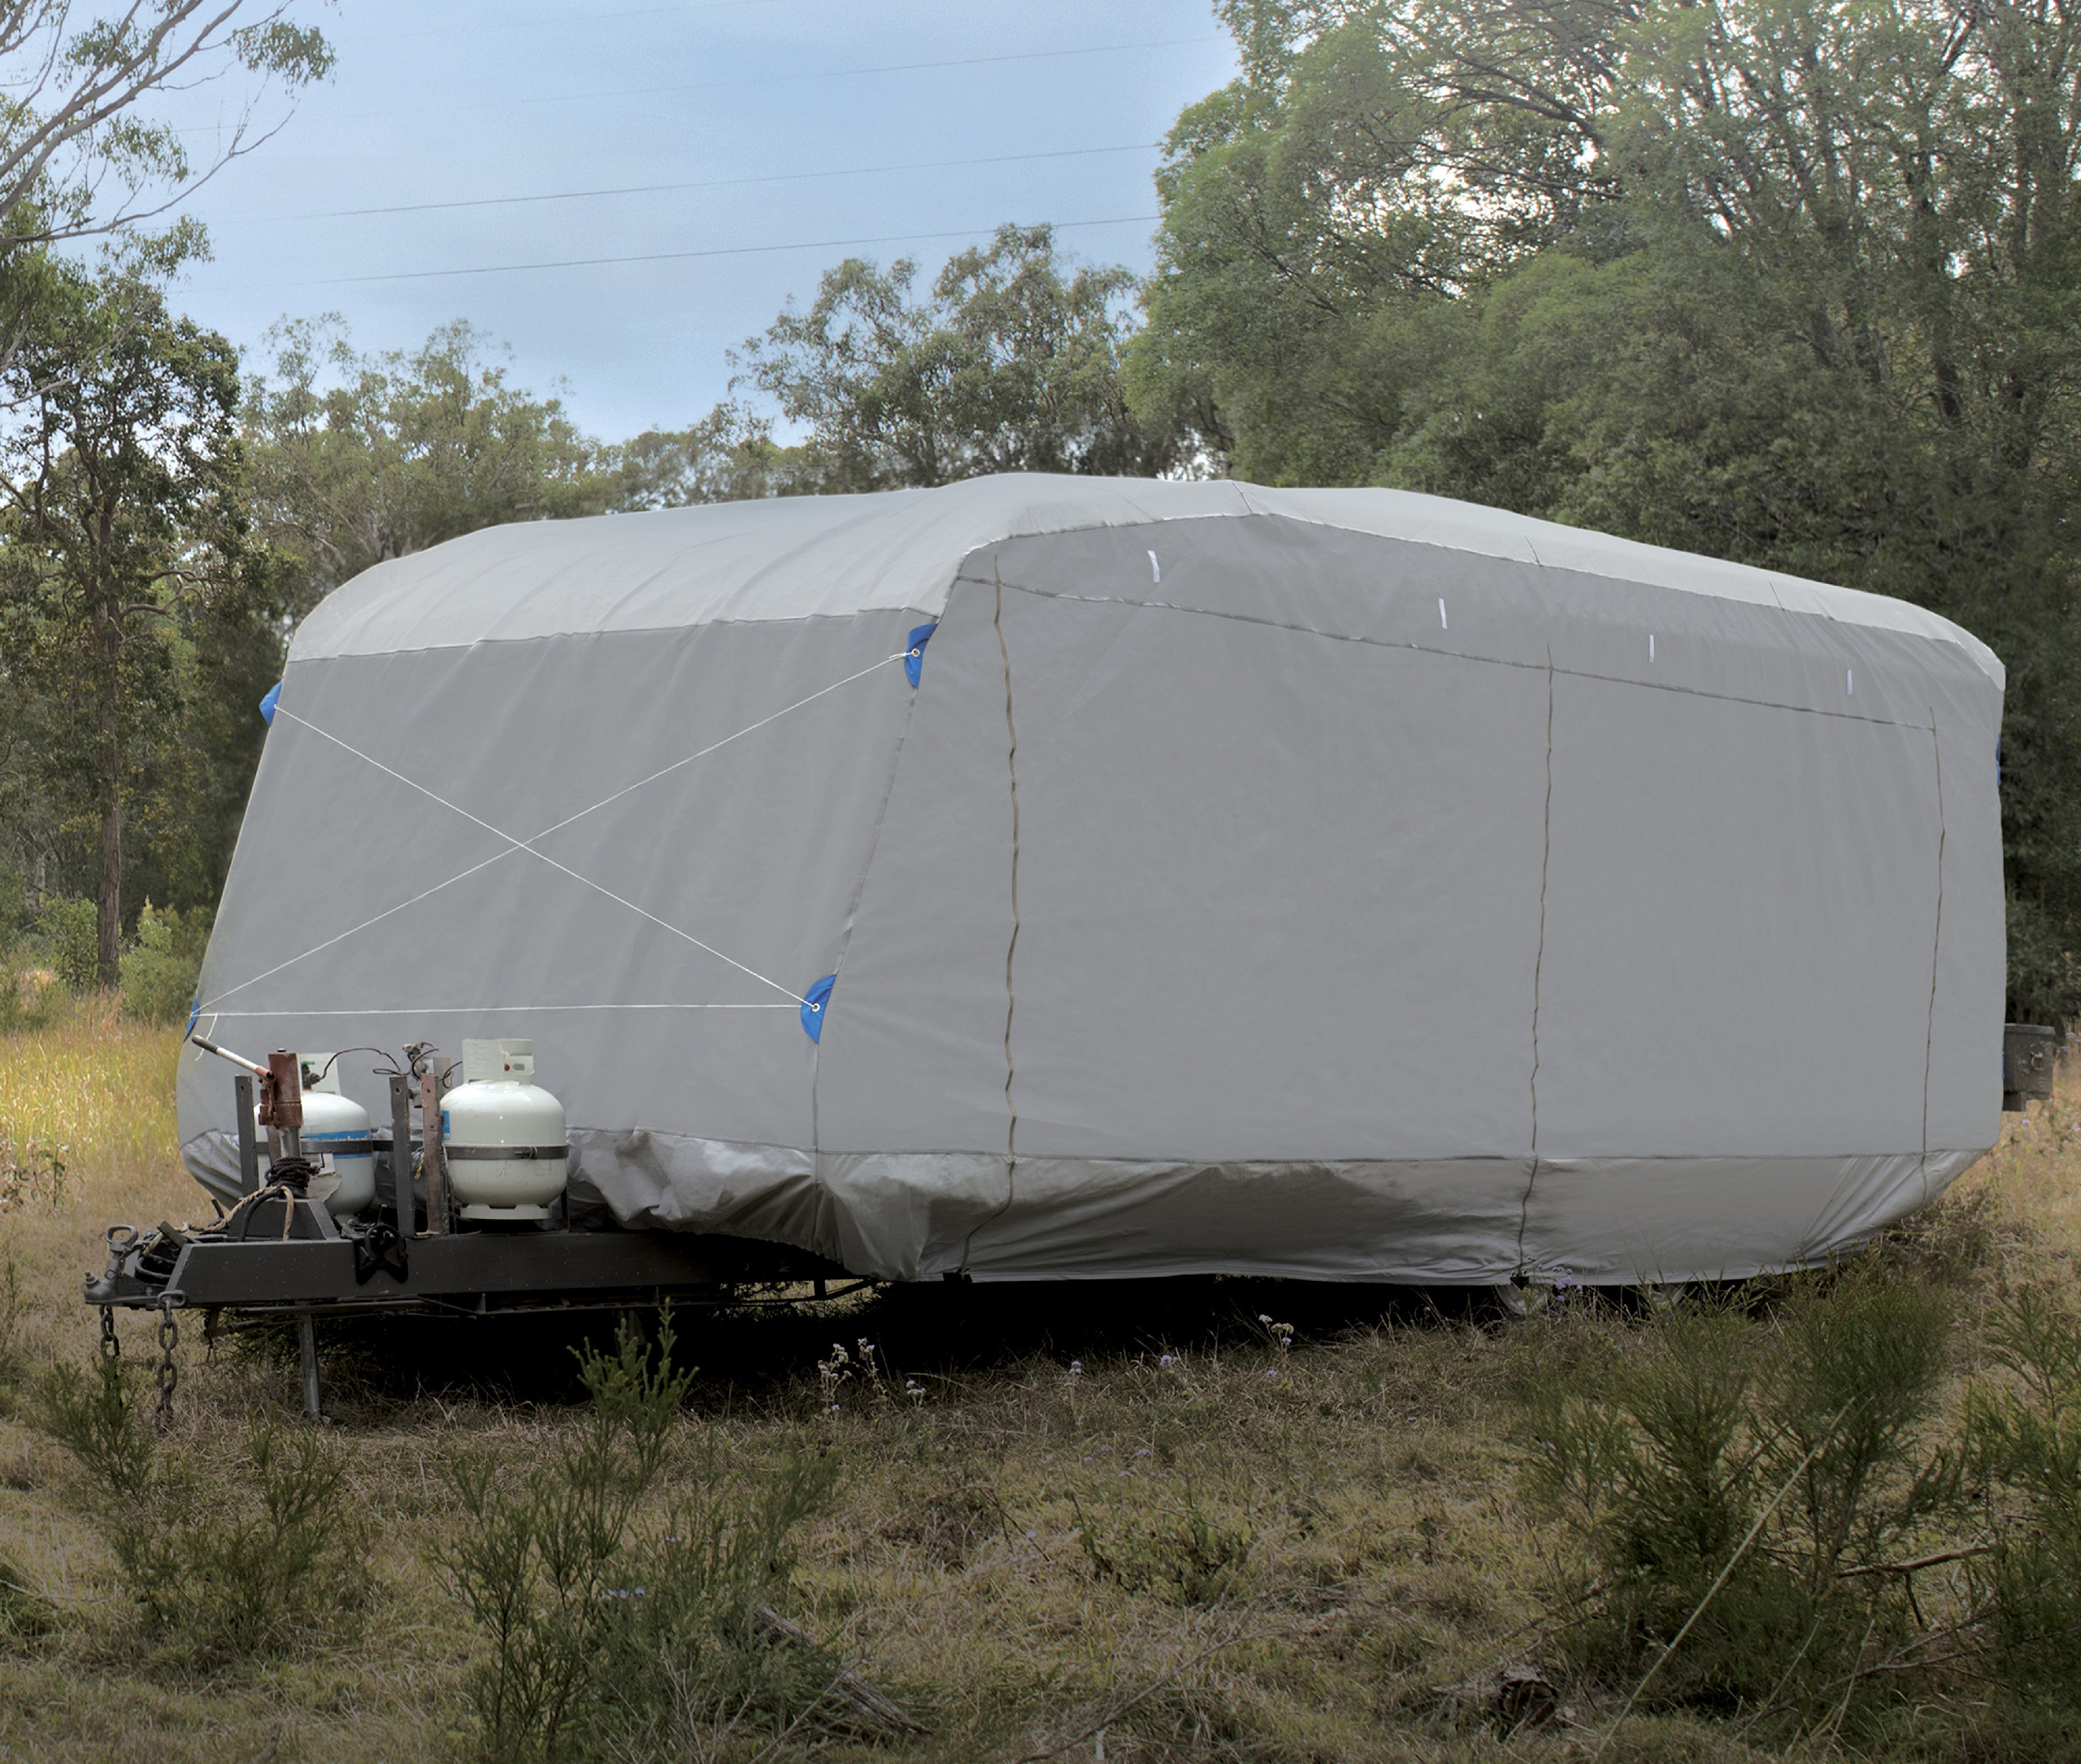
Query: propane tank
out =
(503, 1138)
(336, 1138)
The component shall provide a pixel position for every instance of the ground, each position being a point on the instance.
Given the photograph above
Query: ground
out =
(1119, 1521)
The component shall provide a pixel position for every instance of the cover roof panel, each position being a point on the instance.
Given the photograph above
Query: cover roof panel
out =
(803, 557)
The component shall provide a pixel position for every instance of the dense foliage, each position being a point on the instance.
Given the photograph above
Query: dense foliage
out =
(129, 599)
(122, 538)
(1007, 363)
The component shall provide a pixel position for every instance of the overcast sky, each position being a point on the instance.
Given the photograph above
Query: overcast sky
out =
(457, 101)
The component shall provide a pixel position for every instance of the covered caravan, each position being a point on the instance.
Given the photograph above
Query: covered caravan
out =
(1049, 876)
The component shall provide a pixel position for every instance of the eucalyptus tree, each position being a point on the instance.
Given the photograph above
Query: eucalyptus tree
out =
(80, 153)
(89, 145)
(358, 457)
(124, 516)
(1009, 362)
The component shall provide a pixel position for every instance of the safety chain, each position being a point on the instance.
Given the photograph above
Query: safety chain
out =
(110, 1347)
(169, 1374)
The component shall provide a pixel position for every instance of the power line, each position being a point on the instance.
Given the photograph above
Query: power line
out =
(674, 257)
(777, 79)
(706, 183)
(552, 23)
(831, 74)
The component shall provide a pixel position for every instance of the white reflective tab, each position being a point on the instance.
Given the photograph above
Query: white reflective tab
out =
(1155, 568)
(1442, 625)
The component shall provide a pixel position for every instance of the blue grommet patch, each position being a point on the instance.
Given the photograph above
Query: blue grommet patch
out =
(913, 658)
(267, 704)
(814, 1003)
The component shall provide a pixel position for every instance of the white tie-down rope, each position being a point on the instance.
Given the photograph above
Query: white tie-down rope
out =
(514, 845)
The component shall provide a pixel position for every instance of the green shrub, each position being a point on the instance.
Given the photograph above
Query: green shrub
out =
(2024, 1443)
(1740, 1480)
(243, 1558)
(608, 1639)
(15, 917)
(161, 969)
(32, 996)
(691, 1648)
(68, 936)
(1188, 1557)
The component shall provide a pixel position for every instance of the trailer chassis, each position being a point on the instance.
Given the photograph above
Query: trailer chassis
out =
(278, 1252)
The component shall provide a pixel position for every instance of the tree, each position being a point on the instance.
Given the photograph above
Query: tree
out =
(123, 511)
(1794, 286)
(358, 458)
(1010, 364)
(72, 126)
(81, 156)
(729, 456)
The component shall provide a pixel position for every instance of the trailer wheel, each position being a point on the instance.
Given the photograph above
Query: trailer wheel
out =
(1660, 1298)
(1522, 1300)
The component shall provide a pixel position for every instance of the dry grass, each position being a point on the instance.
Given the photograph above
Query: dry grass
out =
(1356, 1495)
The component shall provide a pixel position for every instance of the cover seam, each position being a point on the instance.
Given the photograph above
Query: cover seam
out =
(1465, 655)
(1538, 962)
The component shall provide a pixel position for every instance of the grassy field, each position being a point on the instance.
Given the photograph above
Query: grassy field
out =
(1084, 1524)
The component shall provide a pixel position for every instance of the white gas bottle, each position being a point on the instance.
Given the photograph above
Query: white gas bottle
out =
(335, 1138)
(503, 1136)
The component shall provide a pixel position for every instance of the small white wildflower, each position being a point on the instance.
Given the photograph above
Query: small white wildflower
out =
(1076, 1368)
(1271, 1372)
(1166, 1361)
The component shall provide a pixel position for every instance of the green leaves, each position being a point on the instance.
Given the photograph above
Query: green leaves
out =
(1010, 363)
(1742, 1483)
(2024, 1444)
(224, 1561)
(79, 156)
(122, 522)
(357, 458)
(613, 1630)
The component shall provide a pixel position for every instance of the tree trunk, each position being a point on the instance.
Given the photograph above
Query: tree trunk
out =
(109, 919)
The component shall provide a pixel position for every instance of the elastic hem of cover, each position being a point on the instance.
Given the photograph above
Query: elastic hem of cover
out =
(813, 1001)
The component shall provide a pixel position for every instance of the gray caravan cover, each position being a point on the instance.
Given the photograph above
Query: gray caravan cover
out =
(1338, 884)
